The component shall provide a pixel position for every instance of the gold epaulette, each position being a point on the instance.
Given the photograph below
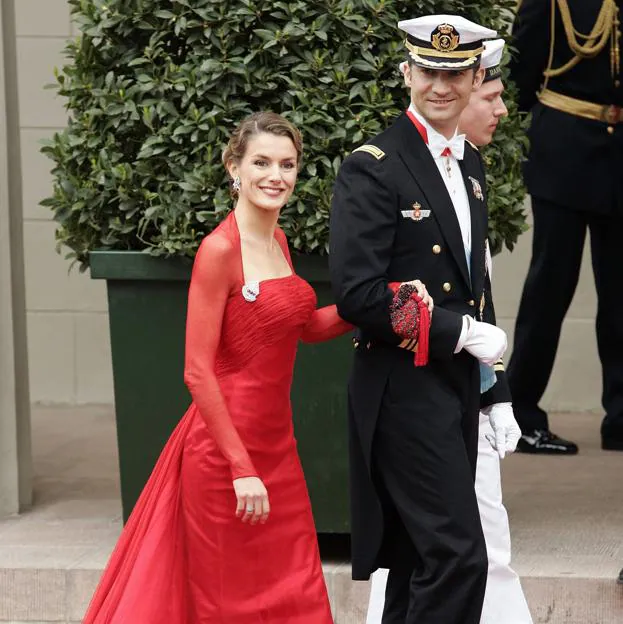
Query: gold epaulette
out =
(468, 141)
(373, 150)
(498, 367)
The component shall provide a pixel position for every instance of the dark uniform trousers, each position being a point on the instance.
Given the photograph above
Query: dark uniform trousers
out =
(435, 542)
(413, 431)
(558, 244)
(574, 175)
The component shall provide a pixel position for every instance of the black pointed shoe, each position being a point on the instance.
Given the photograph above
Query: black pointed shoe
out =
(544, 442)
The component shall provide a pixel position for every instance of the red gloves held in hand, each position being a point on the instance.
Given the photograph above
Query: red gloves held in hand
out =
(410, 319)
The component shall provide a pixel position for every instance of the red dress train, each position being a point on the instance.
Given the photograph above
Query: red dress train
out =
(183, 557)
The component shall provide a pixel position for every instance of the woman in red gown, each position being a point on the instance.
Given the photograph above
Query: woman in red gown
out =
(223, 532)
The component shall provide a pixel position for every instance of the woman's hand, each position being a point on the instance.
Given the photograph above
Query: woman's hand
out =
(423, 294)
(252, 500)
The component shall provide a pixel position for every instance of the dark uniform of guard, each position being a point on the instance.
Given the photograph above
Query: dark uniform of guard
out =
(571, 82)
(413, 430)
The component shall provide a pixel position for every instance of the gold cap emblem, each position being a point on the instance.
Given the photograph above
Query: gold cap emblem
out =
(445, 38)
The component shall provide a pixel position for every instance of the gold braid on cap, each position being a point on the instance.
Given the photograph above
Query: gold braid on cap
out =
(606, 29)
(440, 54)
(439, 64)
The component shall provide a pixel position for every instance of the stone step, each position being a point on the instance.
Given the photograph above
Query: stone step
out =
(43, 596)
(565, 516)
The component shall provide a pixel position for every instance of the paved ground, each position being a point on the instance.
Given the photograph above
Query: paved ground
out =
(566, 513)
(566, 518)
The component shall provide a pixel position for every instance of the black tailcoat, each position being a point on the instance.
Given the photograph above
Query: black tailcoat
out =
(371, 244)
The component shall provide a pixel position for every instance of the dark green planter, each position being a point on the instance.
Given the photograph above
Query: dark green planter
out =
(147, 310)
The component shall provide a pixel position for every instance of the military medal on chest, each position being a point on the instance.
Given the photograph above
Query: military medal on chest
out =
(476, 188)
(417, 213)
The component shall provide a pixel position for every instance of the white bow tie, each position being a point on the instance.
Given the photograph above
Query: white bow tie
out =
(437, 144)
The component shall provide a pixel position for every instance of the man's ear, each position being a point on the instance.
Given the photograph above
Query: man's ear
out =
(479, 77)
(407, 75)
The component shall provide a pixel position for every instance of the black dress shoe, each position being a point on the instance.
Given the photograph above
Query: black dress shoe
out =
(544, 442)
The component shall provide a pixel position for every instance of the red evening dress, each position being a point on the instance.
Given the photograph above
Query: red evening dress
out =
(183, 557)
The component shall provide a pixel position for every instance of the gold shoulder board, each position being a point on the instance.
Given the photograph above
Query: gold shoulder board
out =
(373, 150)
(468, 141)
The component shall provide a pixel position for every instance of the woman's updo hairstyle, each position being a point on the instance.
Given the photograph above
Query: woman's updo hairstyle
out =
(257, 123)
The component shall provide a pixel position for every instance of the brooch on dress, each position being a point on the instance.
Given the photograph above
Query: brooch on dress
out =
(251, 291)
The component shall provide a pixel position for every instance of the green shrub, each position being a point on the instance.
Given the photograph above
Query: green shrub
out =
(154, 87)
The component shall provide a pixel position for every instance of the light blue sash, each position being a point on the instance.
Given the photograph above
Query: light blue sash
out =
(487, 374)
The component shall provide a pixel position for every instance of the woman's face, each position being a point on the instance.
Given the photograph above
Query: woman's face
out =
(267, 171)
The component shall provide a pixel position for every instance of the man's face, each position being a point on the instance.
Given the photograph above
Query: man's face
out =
(486, 107)
(441, 95)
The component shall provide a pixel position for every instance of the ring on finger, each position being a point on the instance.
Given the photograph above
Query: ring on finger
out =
(250, 509)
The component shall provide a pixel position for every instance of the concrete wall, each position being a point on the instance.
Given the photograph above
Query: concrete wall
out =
(15, 440)
(67, 321)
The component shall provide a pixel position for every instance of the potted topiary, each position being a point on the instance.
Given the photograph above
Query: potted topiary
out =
(153, 88)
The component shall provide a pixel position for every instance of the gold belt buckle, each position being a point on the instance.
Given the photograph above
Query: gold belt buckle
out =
(612, 113)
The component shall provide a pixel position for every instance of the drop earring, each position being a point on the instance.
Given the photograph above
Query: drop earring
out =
(236, 185)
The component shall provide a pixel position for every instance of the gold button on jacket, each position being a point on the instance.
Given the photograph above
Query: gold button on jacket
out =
(447, 287)
(436, 249)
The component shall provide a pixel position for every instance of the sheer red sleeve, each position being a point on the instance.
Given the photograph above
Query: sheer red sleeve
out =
(212, 279)
(325, 323)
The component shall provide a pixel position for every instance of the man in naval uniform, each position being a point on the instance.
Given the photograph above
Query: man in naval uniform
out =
(570, 79)
(411, 205)
(504, 601)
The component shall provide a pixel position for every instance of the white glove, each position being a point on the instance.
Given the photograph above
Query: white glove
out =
(505, 427)
(484, 341)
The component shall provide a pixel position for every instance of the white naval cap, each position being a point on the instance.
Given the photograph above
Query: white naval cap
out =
(490, 62)
(445, 41)
(491, 59)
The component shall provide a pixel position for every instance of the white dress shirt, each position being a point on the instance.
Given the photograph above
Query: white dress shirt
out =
(455, 185)
(453, 181)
